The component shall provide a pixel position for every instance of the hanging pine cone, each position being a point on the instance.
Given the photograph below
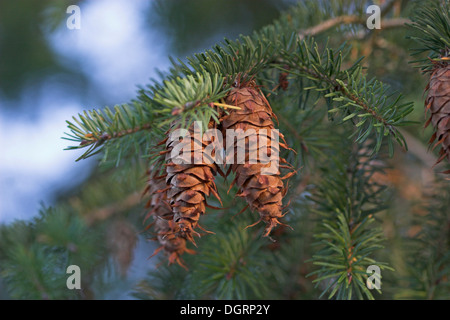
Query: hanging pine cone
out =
(438, 102)
(189, 183)
(166, 230)
(263, 192)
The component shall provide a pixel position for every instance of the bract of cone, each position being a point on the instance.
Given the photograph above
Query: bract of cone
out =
(190, 181)
(264, 193)
(438, 103)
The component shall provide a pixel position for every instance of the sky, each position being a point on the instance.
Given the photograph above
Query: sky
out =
(116, 55)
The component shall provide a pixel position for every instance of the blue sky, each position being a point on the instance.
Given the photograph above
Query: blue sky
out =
(116, 53)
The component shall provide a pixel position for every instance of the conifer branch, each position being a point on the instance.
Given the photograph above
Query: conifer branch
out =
(351, 93)
(347, 200)
(34, 263)
(93, 128)
(431, 30)
(191, 88)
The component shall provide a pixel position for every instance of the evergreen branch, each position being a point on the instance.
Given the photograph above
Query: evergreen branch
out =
(25, 268)
(244, 57)
(353, 95)
(347, 235)
(94, 128)
(230, 266)
(394, 23)
(34, 264)
(431, 23)
(193, 98)
(192, 88)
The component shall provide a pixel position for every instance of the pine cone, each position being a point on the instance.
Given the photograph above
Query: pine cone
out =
(190, 183)
(262, 190)
(438, 102)
(166, 230)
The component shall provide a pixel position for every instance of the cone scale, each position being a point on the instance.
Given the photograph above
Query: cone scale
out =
(438, 103)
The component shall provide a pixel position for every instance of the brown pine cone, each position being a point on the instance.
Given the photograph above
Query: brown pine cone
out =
(166, 230)
(190, 182)
(259, 183)
(438, 102)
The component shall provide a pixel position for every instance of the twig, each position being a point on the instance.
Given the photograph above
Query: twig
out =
(346, 93)
(328, 24)
(394, 23)
(105, 212)
(333, 22)
(90, 138)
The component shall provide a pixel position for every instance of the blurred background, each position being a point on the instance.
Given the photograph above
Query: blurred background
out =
(49, 73)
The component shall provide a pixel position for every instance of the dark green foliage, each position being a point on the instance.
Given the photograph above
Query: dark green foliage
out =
(348, 236)
(26, 52)
(185, 24)
(94, 128)
(350, 94)
(431, 30)
(35, 255)
(232, 266)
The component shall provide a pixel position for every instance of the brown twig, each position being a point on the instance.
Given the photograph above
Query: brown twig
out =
(90, 138)
(105, 212)
(328, 24)
(352, 19)
(394, 23)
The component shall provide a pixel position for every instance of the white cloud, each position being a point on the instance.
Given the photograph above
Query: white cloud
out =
(113, 46)
(115, 50)
(33, 161)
